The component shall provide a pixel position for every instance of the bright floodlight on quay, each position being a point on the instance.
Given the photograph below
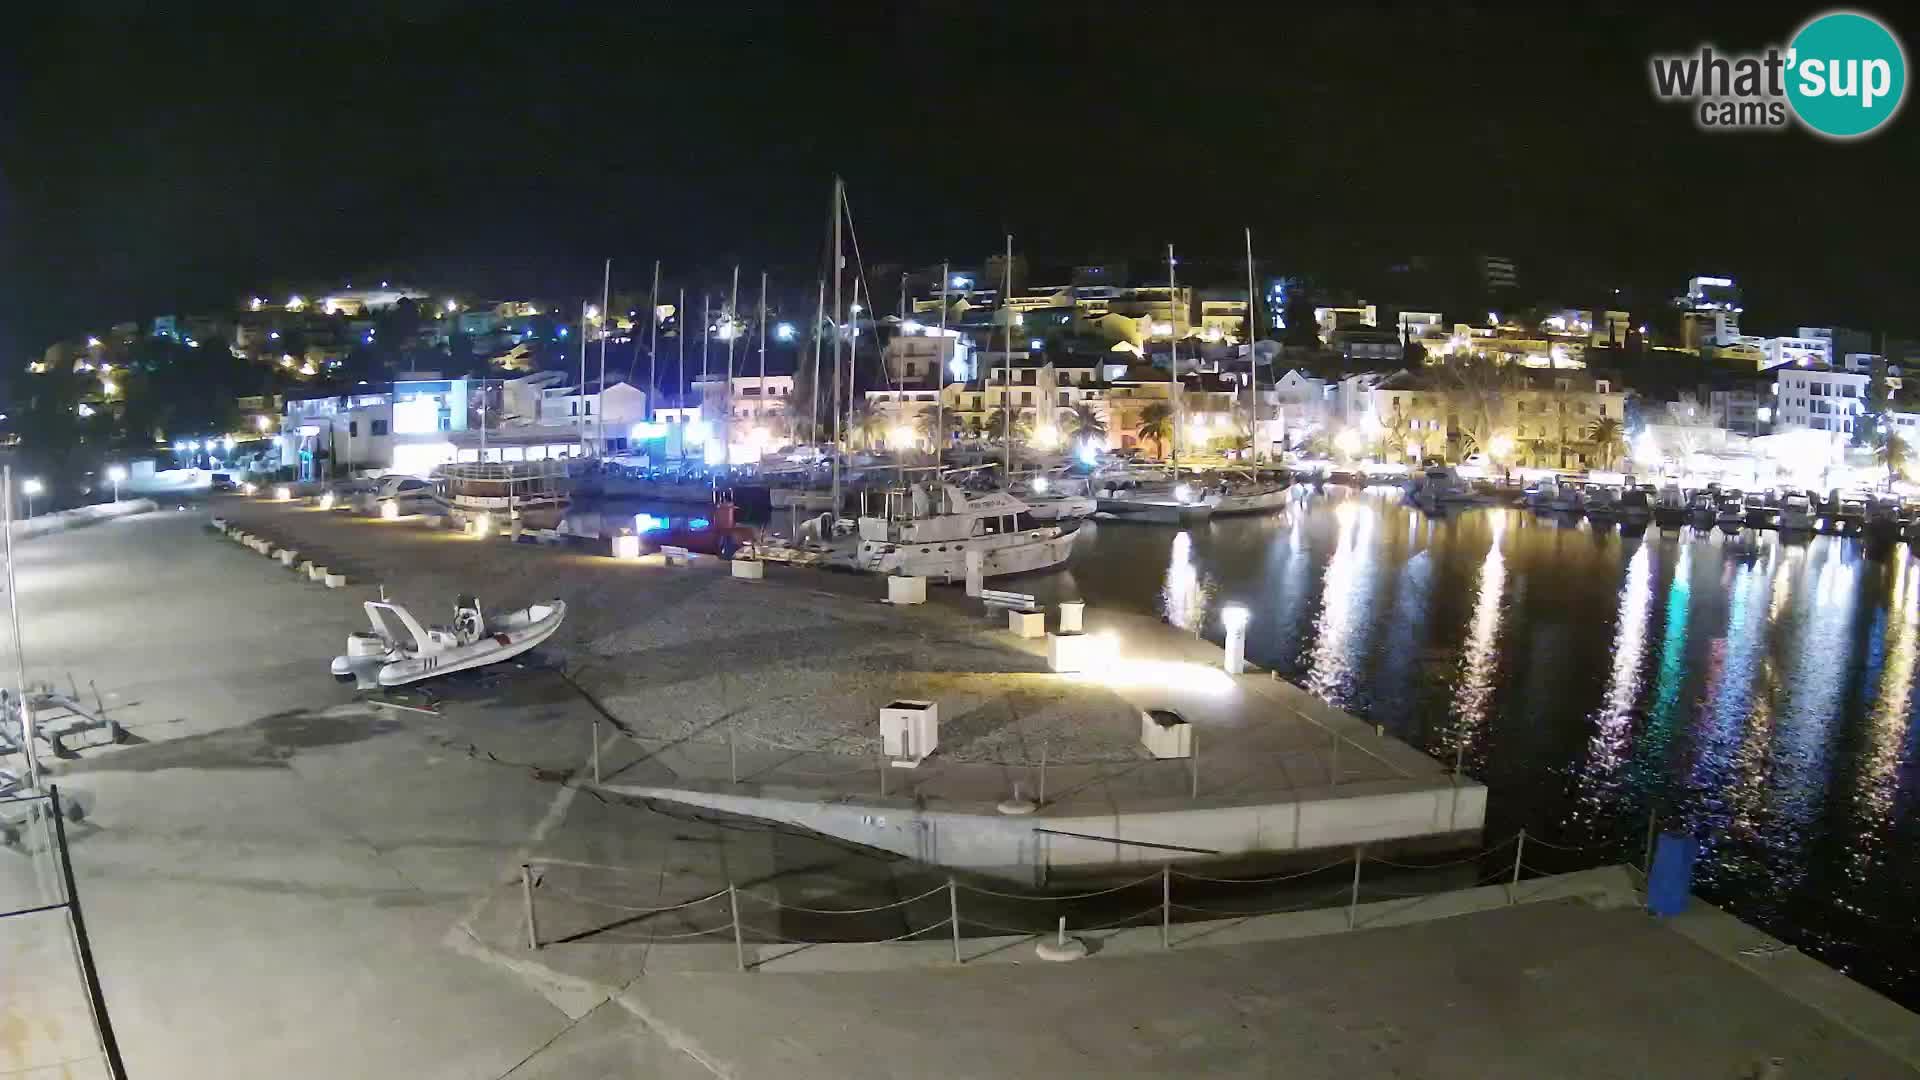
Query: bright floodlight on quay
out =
(263, 423)
(1182, 492)
(784, 331)
(1347, 442)
(1500, 446)
(1039, 485)
(32, 486)
(117, 474)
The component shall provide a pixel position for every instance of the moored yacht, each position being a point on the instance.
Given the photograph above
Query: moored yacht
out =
(1670, 506)
(1796, 512)
(928, 529)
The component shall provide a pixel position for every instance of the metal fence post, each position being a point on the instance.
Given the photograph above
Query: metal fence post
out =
(1166, 905)
(1353, 897)
(880, 755)
(733, 750)
(1519, 846)
(1042, 800)
(953, 916)
(1333, 767)
(526, 899)
(596, 749)
(1646, 863)
(739, 948)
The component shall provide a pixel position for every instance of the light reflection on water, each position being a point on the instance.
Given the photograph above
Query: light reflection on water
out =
(1757, 692)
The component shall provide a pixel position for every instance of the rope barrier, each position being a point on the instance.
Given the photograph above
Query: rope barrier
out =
(1005, 929)
(569, 893)
(1261, 880)
(1316, 902)
(770, 935)
(840, 911)
(1063, 896)
(1476, 856)
(727, 929)
(1154, 910)
(1532, 840)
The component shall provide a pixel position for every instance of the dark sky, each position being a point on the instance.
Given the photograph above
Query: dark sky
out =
(167, 162)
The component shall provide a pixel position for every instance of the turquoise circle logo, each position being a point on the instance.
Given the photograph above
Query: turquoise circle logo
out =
(1847, 74)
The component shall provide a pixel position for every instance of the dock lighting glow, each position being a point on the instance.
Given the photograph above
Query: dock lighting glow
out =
(194, 445)
(626, 546)
(784, 331)
(263, 423)
(1039, 485)
(647, 429)
(959, 282)
(31, 486)
(1500, 446)
(1234, 617)
(453, 305)
(327, 499)
(283, 493)
(1046, 436)
(227, 443)
(180, 447)
(900, 436)
(248, 488)
(1035, 344)
(390, 510)
(696, 433)
(1088, 455)
(482, 525)
(1183, 492)
(108, 387)
(645, 523)
(117, 473)
(296, 303)
(1765, 413)
(1347, 442)
(93, 343)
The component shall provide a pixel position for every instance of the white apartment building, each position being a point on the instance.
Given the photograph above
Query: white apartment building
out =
(1801, 350)
(1818, 398)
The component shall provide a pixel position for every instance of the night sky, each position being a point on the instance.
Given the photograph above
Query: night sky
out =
(170, 163)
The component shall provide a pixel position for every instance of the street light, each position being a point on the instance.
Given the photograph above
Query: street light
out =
(30, 487)
(117, 474)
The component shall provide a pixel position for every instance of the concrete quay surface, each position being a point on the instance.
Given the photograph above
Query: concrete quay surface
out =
(282, 881)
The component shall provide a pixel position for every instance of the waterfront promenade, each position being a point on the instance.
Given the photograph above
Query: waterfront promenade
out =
(281, 881)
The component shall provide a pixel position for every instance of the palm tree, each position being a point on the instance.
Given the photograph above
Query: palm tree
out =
(1082, 421)
(1156, 425)
(936, 426)
(870, 425)
(1605, 433)
(1893, 453)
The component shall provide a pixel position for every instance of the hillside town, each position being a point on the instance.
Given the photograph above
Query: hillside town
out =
(391, 377)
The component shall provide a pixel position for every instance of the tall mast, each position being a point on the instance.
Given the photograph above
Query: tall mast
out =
(706, 339)
(583, 378)
(733, 331)
(1173, 362)
(760, 407)
(606, 320)
(29, 755)
(653, 337)
(1253, 359)
(1006, 391)
(940, 381)
(680, 395)
(813, 400)
(853, 353)
(899, 390)
(838, 324)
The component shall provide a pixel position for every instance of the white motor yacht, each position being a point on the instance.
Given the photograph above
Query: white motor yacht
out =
(1796, 512)
(1059, 499)
(928, 529)
(1439, 485)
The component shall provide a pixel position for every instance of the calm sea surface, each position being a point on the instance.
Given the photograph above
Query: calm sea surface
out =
(1756, 692)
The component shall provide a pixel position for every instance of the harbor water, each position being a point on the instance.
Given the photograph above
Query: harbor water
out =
(1755, 691)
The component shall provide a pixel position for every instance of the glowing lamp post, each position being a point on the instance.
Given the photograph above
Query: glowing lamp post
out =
(117, 474)
(1234, 617)
(30, 487)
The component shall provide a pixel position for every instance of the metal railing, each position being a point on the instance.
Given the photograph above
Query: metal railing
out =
(33, 827)
(740, 914)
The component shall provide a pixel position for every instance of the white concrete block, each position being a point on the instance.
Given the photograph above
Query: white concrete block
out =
(1073, 652)
(1027, 624)
(336, 581)
(316, 573)
(286, 556)
(906, 590)
(1166, 734)
(1071, 614)
(749, 569)
(626, 546)
(676, 556)
(909, 731)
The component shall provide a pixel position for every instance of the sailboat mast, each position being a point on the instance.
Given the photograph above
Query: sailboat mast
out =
(760, 408)
(733, 331)
(940, 381)
(1253, 355)
(680, 395)
(899, 389)
(1173, 362)
(1006, 391)
(813, 399)
(653, 338)
(706, 338)
(606, 320)
(838, 323)
(582, 391)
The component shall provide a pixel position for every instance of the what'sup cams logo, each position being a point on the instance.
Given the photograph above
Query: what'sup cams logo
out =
(1843, 76)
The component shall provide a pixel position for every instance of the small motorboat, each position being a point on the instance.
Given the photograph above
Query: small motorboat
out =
(1670, 507)
(1760, 509)
(1701, 509)
(390, 656)
(1732, 514)
(1635, 506)
(1603, 502)
(1796, 512)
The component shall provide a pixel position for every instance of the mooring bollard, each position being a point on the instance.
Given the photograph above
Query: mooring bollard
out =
(1234, 617)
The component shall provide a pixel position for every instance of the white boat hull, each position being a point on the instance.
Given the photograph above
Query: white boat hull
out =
(1064, 509)
(1039, 549)
(1252, 502)
(511, 635)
